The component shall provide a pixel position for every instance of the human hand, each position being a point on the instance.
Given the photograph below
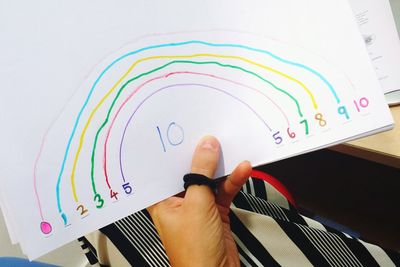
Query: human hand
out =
(195, 229)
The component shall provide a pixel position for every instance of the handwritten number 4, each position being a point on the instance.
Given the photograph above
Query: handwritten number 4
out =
(113, 194)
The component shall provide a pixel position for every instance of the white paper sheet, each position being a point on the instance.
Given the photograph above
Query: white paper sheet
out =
(265, 77)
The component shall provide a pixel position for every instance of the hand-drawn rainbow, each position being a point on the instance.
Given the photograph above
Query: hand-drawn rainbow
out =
(275, 79)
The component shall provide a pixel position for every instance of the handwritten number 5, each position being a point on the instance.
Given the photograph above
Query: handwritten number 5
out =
(127, 188)
(278, 139)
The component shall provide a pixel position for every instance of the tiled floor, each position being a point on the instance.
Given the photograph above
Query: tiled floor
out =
(68, 255)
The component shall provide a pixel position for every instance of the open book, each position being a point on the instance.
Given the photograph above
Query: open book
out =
(102, 103)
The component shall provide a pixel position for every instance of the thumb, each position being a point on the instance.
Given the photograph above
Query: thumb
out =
(205, 161)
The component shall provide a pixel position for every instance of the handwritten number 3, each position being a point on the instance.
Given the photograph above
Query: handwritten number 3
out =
(99, 200)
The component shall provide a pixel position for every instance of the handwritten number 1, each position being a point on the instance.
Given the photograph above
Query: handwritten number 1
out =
(161, 139)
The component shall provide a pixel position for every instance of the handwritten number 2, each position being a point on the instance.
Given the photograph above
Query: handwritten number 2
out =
(82, 209)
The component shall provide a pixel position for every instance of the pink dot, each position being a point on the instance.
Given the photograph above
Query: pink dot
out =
(45, 227)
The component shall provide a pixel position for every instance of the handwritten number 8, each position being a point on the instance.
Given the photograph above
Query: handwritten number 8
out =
(319, 117)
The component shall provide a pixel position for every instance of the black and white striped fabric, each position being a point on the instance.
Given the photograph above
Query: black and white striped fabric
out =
(267, 229)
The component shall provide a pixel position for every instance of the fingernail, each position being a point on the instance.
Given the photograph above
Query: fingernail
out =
(209, 143)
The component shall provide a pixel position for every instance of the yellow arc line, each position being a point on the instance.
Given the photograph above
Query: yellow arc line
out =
(168, 57)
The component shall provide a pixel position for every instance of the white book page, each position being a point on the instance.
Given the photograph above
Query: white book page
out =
(378, 29)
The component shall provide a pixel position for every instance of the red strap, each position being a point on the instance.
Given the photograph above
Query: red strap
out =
(275, 183)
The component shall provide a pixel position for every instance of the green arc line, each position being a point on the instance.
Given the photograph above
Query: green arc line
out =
(162, 67)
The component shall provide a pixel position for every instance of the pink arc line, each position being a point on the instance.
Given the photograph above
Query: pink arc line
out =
(162, 77)
(36, 163)
(35, 170)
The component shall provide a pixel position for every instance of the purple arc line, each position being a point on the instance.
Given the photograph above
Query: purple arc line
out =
(165, 76)
(179, 85)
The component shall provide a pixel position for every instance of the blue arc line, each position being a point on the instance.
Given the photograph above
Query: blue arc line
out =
(320, 76)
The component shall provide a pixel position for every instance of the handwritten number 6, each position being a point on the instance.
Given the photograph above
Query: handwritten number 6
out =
(291, 134)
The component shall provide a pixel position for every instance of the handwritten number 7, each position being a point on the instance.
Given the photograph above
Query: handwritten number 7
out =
(305, 125)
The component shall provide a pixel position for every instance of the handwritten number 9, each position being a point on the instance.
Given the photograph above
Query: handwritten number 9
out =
(342, 110)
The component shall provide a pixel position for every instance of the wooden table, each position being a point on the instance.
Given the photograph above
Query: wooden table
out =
(383, 148)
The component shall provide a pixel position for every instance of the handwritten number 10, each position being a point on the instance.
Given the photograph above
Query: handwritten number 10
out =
(362, 103)
(175, 135)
